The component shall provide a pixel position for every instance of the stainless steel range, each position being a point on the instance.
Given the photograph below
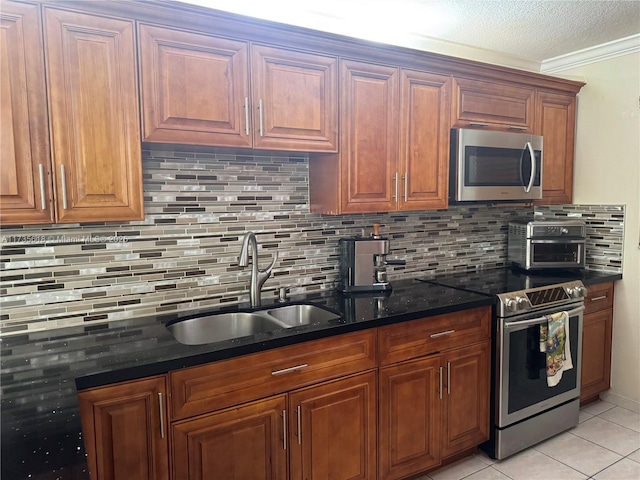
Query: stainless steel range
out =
(526, 409)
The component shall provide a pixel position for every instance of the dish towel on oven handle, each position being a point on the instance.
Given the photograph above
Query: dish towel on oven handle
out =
(554, 342)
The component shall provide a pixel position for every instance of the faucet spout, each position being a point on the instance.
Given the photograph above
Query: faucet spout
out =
(258, 277)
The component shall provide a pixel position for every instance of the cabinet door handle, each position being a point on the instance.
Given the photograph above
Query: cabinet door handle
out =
(63, 179)
(478, 124)
(602, 297)
(246, 115)
(43, 202)
(299, 426)
(284, 429)
(261, 121)
(395, 188)
(448, 378)
(406, 186)
(290, 369)
(517, 127)
(161, 404)
(440, 391)
(441, 334)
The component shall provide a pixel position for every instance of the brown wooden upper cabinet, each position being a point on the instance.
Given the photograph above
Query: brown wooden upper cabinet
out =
(491, 105)
(394, 143)
(555, 121)
(25, 183)
(92, 169)
(205, 90)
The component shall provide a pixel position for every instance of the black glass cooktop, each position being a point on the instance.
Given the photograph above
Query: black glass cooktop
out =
(504, 280)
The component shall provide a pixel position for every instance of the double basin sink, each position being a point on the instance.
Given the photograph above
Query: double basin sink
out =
(226, 326)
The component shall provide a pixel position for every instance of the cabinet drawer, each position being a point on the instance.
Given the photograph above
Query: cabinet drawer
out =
(600, 297)
(230, 382)
(428, 335)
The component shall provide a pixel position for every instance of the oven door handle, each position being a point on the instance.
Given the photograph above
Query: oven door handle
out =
(533, 321)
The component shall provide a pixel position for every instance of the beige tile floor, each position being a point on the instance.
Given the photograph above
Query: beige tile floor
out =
(604, 446)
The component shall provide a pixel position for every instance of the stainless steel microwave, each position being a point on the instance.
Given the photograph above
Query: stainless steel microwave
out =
(489, 166)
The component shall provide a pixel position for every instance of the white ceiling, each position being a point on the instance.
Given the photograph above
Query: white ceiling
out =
(530, 30)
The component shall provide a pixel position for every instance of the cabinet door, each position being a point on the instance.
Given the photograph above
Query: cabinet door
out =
(556, 119)
(195, 88)
(334, 429)
(424, 140)
(409, 418)
(466, 394)
(93, 102)
(295, 100)
(124, 430)
(596, 354)
(369, 143)
(490, 105)
(25, 179)
(245, 442)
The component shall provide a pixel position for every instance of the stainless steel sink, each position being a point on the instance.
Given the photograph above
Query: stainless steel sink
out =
(294, 315)
(221, 326)
(226, 326)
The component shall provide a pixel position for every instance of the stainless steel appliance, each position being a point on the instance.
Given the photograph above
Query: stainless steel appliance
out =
(488, 166)
(526, 409)
(363, 263)
(547, 244)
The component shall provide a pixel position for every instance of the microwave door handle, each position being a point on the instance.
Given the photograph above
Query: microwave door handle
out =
(533, 166)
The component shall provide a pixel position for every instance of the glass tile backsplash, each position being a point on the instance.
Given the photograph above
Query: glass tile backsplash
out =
(199, 205)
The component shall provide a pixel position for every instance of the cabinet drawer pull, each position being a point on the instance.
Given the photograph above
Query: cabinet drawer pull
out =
(442, 334)
(448, 378)
(43, 203)
(440, 389)
(602, 297)
(290, 369)
(516, 127)
(284, 429)
(261, 121)
(246, 115)
(63, 179)
(161, 414)
(478, 124)
(299, 426)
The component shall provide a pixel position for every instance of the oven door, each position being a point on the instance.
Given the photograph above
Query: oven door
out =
(565, 253)
(521, 387)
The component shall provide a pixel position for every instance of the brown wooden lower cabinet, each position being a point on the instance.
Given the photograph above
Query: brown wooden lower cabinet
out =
(432, 408)
(328, 430)
(466, 398)
(409, 425)
(596, 341)
(333, 429)
(125, 430)
(235, 443)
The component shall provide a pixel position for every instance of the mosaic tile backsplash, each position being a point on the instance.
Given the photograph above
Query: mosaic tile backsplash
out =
(198, 206)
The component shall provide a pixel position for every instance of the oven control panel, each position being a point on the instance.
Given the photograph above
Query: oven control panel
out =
(523, 300)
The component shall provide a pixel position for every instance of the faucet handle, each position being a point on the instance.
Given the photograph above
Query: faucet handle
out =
(273, 262)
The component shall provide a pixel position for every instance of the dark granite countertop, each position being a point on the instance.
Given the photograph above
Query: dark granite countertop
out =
(41, 372)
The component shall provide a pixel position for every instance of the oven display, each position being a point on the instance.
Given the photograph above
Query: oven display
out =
(548, 295)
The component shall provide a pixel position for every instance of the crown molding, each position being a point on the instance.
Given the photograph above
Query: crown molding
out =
(616, 48)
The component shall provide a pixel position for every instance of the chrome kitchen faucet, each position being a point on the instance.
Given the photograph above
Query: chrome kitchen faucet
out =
(258, 277)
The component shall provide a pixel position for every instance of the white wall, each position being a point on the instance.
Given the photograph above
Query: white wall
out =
(607, 171)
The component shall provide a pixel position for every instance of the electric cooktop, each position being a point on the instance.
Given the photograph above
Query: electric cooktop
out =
(503, 280)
